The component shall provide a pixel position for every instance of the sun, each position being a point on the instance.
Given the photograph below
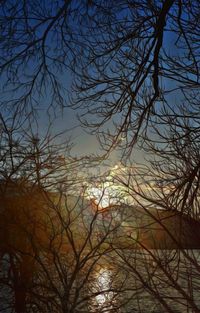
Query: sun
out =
(101, 196)
(107, 193)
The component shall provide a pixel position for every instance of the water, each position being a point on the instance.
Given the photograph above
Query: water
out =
(128, 281)
(104, 300)
(157, 281)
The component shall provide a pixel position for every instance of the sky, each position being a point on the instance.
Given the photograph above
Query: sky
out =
(84, 143)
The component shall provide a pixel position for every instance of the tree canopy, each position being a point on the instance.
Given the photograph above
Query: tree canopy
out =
(134, 62)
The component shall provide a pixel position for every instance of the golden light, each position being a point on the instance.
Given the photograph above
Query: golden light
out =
(103, 282)
(102, 285)
(107, 192)
(103, 195)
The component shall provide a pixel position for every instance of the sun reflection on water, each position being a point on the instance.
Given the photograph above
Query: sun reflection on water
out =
(104, 299)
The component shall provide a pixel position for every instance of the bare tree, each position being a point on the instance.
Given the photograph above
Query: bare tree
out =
(54, 242)
(164, 216)
(142, 60)
(136, 73)
(38, 44)
(129, 58)
(57, 254)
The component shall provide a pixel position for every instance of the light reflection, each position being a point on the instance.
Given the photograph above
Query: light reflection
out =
(104, 298)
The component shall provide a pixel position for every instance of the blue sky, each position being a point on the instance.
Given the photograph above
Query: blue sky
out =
(84, 143)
